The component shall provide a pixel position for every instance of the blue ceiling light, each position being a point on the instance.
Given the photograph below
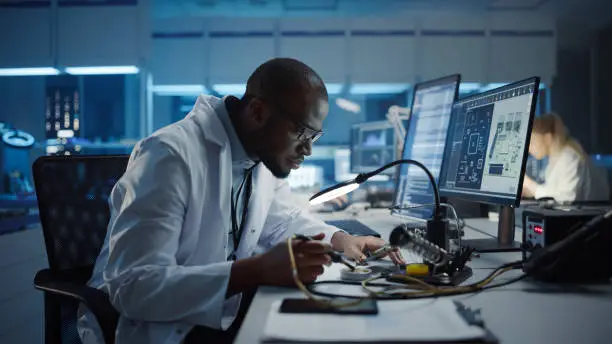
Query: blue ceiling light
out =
(237, 90)
(467, 87)
(492, 85)
(379, 88)
(348, 105)
(28, 71)
(333, 88)
(102, 70)
(179, 90)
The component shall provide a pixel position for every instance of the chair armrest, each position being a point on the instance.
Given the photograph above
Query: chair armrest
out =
(72, 284)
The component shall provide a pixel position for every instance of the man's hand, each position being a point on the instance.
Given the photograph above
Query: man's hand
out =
(274, 266)
(310, 256)
(354, 247)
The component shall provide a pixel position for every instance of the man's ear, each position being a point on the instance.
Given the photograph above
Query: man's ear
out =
(258, 112)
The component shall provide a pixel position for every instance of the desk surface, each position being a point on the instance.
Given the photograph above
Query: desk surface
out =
(523, 312)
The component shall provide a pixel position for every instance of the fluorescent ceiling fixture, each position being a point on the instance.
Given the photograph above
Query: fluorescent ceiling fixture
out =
(334, 88)
(99, 70)
(348, 105)
(492, 86)
(486, 87)
(52, 149)
(469, 87)
(67, 133)
(28, 71)
(515, 3)
(230, 89)
(378, 88)
(179, 90)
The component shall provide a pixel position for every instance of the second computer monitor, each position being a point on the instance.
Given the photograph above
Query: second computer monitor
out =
(425, 139)
(372, 146)
(488, 143)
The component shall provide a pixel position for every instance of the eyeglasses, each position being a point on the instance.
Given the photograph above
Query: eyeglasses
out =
(305, 133)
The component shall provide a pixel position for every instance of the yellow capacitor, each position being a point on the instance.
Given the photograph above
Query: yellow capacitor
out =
(417, 270)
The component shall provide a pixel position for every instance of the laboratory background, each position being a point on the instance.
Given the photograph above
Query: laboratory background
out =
(92, 77)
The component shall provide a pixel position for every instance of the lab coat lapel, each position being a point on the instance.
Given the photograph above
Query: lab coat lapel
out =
(214, 133)
(263, 192)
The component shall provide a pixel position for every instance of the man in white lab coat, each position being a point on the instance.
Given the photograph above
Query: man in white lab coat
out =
(201, 215)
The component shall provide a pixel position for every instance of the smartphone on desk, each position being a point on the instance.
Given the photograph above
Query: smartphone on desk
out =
(348, 307)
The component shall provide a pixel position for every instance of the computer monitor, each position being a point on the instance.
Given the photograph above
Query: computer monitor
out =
(372, 146)
(486, 152)
(425, 140)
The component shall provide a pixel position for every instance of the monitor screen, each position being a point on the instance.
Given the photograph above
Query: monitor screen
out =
(372, 146)
(487, 146)
(425, 140)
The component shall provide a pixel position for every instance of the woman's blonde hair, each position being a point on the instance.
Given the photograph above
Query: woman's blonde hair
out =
(552, 124)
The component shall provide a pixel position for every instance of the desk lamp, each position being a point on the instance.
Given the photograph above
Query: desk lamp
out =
(437, 226)
(453, 272)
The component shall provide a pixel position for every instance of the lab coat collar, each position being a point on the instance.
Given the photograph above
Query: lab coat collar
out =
(239, 154)
(204, 114)
(207, 114)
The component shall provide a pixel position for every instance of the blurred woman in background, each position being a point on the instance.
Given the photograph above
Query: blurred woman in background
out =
(570, 174)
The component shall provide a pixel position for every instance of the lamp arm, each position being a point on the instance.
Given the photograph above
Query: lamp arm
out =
(365, 176)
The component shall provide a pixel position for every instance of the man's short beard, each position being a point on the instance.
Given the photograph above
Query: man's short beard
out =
(274, 168)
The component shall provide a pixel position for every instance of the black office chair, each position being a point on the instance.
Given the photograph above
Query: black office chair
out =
(72, 194)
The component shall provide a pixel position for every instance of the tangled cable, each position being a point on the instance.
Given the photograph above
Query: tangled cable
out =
(418, 288)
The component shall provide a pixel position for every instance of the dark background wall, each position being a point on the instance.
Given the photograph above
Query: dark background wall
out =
(571, 92)
(604, 90)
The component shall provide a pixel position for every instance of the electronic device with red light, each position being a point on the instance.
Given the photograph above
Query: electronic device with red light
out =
(551, 232)
(538, 229)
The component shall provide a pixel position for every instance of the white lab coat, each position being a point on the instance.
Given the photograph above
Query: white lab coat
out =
(163, 263)
(570, 177)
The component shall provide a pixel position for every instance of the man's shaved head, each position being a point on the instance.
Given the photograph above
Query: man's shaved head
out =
(283, 110)
(284, 77)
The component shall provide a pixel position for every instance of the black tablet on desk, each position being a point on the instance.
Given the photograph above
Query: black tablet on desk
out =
(353, 227)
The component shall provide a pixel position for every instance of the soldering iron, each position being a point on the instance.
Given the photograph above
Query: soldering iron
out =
(335, 256)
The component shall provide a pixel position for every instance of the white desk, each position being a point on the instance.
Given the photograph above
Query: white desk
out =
(523, 312)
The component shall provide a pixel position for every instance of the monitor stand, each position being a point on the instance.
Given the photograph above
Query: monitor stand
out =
(505, 235)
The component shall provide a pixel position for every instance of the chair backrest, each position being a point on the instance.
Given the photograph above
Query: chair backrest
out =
(72, 193)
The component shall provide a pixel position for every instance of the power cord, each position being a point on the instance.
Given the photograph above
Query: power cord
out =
(420, 289)
(417, 289)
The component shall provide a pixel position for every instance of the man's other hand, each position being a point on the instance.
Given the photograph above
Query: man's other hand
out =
(354, 247)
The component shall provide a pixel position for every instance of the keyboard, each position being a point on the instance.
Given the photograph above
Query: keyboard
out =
(353, 227)
(357, 228)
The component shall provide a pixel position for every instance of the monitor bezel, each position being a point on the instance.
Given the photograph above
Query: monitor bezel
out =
(374, 125)
(497, 200)
(456, 78)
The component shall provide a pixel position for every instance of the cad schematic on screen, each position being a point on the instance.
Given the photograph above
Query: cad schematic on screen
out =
(425, 142)
(488, 142)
